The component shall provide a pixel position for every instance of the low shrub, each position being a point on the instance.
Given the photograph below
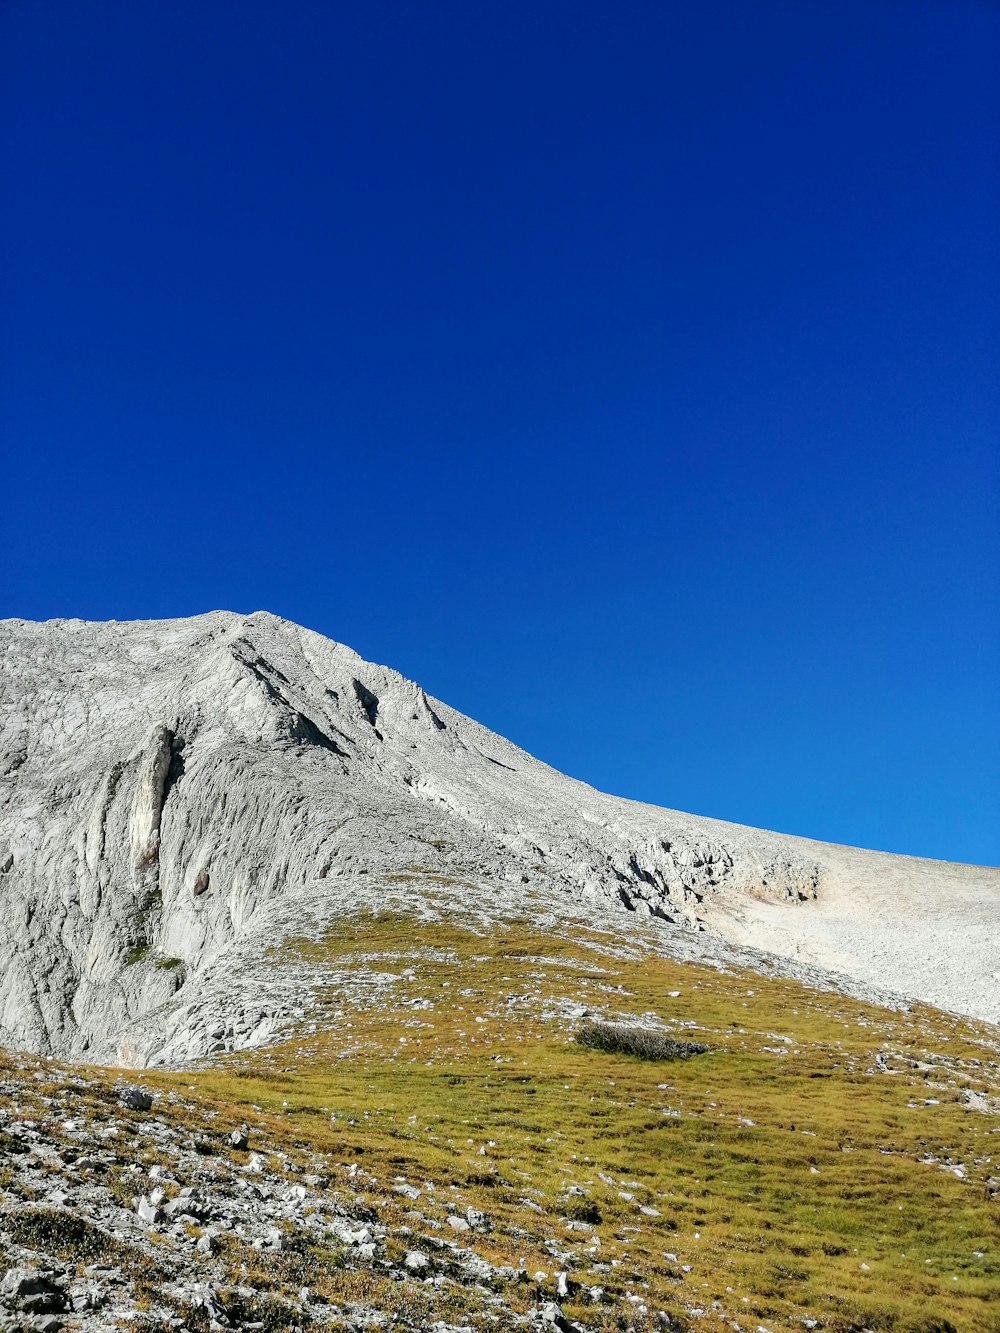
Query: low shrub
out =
(68, 1236)
(640, 1042)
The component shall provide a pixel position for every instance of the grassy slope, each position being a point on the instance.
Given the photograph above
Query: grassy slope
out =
(798, 1178)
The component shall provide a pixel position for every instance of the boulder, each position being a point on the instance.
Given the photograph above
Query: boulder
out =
(32, 1291)
(135, 1099)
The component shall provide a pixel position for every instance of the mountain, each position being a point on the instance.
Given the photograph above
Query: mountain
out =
(178, 797)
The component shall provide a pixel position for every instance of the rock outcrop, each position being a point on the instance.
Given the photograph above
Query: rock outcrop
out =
(175, 795)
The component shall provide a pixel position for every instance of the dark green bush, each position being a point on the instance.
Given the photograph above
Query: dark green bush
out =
(640, 1042)
(584, 1210)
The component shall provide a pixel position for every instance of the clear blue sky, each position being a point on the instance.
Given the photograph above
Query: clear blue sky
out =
(623, 373)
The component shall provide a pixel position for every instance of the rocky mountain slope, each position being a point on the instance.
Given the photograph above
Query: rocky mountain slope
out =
(178, 796)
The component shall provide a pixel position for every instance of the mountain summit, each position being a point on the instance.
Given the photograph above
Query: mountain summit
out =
(178, 796)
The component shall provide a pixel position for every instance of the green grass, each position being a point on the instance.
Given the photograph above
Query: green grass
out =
(788, 1172)
(781, 1174)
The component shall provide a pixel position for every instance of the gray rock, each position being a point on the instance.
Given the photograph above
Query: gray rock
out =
(182, 1207)
(84, 1299)
(416, 1261)
(32, 1291)
(205, 1298)
(135, 1099)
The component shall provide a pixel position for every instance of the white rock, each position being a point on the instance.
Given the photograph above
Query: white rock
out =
(148, 1210)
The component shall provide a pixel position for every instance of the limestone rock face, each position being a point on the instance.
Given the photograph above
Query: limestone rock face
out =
(176, 795)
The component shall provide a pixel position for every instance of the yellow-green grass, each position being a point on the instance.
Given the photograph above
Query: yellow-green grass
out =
(803, 1167)
(798, 1179)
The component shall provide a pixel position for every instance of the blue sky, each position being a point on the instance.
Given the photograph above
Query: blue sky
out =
(624, 373)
